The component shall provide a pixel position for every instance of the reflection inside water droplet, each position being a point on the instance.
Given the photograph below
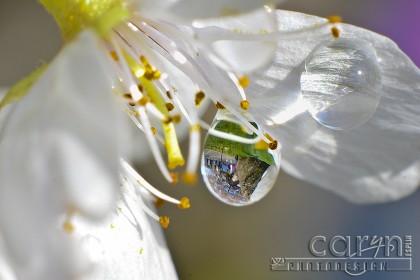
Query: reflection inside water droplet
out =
(341, 84)
(237, 173)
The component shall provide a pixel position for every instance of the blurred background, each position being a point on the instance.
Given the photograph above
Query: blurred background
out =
(216, 241)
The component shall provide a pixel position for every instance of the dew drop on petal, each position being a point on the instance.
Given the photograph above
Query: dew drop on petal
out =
(341, 84)
(237, 173)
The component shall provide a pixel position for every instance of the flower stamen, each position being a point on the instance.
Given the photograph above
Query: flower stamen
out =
(245, 104)
(164, 221)
(228, 136)
(335, 32)
(146, 185)
(199, 97)
(335, 19)
(68, 226)
(244, 81)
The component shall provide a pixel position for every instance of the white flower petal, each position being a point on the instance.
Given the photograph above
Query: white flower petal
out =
(193, 9)
(69, 110)
(127, 245)
(376, 162)
(6, 271)
(224, 39)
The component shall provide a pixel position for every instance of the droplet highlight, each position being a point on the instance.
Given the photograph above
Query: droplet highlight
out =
(341, 84)
(237, 173)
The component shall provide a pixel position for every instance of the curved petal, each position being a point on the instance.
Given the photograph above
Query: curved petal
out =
(193, 9)
(59, 152)
(376, 162)
(224, 39)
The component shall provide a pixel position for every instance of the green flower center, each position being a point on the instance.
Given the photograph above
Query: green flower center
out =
(73, 16)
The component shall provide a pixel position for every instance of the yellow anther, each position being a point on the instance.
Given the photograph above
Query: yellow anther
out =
(140, 87)
(245, 104)
(168, 94)
(128, 96)
(143, 101)
(164, 221)
(149, 72)
(170, 106)
(144, 61)
(273, 145)
(154, 131)
(112, 226)
(174, 177)
(159, 202)
(335, 32)
(244, 81)
(168, 120)
(185, 203)
(177, 119)
(335, 19)
(156, 75)
(189, 178)
(220, 106)
(175, 157)
(199, 97)
(114, 55)
(68, 226)
(261, 145)
(195, 127)
(141, 251)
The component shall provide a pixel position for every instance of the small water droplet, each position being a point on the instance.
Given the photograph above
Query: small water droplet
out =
(237, 173)
(341, 84)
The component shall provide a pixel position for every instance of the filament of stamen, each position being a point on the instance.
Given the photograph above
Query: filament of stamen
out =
(153, 145)
(228, 136)
(246, 123)
(175, 157)
(194, 140)
(193, 154)
(142, 205)
(238, 85)
(138, 124)
(117, 42)
(142, 182)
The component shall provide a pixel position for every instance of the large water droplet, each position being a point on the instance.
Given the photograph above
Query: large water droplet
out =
(236, 173)
(341, 84)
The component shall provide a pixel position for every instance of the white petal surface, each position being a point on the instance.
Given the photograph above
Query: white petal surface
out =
(127, 245)
(193, 9)
(59, 151)
(224, 39)
(376, 162)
